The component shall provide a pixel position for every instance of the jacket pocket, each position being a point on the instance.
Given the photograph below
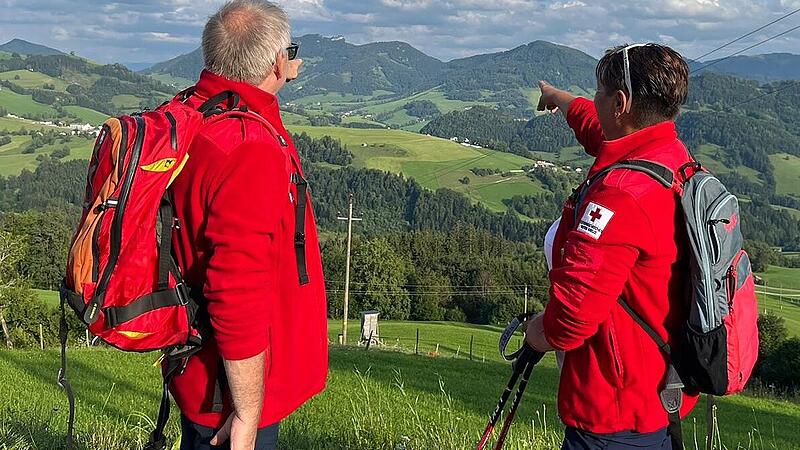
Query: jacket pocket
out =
(614, 351)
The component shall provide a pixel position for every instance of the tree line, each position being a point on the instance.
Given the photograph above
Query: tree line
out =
(501, 130)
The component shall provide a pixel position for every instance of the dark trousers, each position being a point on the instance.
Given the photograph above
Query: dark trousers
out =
(197, 437)
(575, 439)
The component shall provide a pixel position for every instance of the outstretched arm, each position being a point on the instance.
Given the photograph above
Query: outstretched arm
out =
(580, 113)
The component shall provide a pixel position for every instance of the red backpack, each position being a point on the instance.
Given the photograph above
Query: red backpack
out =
(122, 279)
(717, 347)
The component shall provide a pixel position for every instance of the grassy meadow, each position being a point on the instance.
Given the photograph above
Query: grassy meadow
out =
(384, 398)
(33, 80)
(433, 162)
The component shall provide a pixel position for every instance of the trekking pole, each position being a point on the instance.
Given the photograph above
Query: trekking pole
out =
(498, 410)
(517, 400)
(525, 358)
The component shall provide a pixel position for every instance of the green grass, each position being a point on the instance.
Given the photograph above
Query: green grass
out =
(782, 277)
(87, 115)
(786, 281)
(177, 82)
(23, 105)
(50, 298)
(787, 173)
(706, 155)
(15, 124)
(28, 79)
(433, 162)
(126, 101)
(293, 119)
(12, 161)
(568, 156)
(374, 400)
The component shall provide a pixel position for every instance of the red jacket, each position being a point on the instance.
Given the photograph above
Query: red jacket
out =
(630, 241)
(235, 202)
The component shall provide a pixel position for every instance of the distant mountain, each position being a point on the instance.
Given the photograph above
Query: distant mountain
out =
(334, 65)
(762, 68)
(137, 66)
(183, 66)
(28, 48)
(522, 67)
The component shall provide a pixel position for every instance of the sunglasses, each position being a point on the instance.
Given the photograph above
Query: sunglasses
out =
(626, 61)
(293, 50)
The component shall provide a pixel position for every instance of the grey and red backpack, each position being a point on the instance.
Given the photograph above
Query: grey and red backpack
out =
(715, 350)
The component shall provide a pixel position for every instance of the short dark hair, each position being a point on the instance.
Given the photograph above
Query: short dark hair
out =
(659, 80)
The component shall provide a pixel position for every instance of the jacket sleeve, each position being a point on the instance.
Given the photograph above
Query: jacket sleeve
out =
(243, 223)
(599, 253)
(582, 118)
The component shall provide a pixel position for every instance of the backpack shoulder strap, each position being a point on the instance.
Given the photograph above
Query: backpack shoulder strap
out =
(656, 171)
(659, 172)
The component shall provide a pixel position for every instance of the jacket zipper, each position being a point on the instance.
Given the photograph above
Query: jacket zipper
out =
(708, 278)
(116, 226)
(612, 341)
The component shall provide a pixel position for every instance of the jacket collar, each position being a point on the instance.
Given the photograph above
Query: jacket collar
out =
(261, 102)
(633, 145)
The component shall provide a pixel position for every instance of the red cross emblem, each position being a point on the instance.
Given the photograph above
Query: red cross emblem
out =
(595, 215)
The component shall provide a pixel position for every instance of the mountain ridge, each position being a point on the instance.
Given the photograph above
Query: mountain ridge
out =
(24, 47)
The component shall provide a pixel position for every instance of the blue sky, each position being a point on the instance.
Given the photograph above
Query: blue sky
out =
(155, 30)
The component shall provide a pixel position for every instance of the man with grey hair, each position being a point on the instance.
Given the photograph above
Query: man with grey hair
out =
(247, 242)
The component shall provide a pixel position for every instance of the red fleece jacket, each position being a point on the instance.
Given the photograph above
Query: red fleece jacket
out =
(630, 241)
(236, 205)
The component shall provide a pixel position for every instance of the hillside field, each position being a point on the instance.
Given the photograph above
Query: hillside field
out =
(433, 162)
(787, 173)
(12, 161)
(375, 399)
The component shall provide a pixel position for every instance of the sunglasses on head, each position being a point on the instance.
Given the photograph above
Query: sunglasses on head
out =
(293, 50)
(626, 62)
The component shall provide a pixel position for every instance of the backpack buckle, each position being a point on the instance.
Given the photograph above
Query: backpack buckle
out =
(182, 294)
(299, 238)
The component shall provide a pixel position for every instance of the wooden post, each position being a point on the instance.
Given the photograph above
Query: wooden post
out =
(416, 346)
(471, 340)
(9, 344)
(370, 339)
(41, 337)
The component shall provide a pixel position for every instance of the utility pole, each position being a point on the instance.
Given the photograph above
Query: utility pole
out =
(350, 219)
(526, 299)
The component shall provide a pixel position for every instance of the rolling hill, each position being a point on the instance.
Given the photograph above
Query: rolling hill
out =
(23, 47)
(396, 69)
(762, 68)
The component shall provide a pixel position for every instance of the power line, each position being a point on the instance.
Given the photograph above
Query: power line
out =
(746, 49)
(748, 34)
(767, 94)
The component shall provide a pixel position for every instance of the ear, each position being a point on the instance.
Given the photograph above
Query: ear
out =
(620, 102)
(279, 69)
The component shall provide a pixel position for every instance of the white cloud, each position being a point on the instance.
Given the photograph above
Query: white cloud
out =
(153, 30)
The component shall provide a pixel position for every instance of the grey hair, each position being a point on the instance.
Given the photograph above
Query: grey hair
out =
(241, 41)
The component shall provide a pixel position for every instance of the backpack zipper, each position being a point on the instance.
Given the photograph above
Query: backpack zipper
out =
(708, 279)
(714, 220)
(116, 226)
(173, 130)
